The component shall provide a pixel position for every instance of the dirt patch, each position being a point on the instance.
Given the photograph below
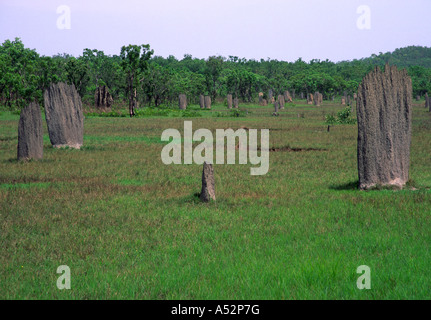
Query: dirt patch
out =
(289, 149)
(285, 149)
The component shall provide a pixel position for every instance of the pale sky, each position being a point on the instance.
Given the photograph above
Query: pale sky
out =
(254, 29)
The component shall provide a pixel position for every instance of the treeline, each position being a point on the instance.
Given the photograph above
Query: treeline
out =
(142, 78)
(404, 57)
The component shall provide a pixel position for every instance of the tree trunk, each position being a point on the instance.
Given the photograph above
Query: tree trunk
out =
(131, 101)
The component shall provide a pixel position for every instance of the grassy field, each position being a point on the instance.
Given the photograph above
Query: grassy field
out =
(130, 227)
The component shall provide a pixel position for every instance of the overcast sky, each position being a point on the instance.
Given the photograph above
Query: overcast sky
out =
(254, 29)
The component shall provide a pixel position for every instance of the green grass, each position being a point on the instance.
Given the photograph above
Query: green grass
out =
(130, 227)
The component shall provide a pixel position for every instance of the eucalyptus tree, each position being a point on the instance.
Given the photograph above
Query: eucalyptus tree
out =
(77, 74)
(134, 61)
(18, 79)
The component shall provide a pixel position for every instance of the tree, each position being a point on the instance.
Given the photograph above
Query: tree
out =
(18, 79)
(48, 71)
(104, 70)
(138, 75)
(134, 64)
(193, 64)
(158, 84)
(214, 66)
(240, 82)
(77, 74)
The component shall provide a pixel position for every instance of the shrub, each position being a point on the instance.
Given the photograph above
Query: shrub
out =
(190, 114)
(232, 113)
(342, 117)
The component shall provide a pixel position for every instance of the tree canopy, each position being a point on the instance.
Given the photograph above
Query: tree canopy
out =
(136, 75)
